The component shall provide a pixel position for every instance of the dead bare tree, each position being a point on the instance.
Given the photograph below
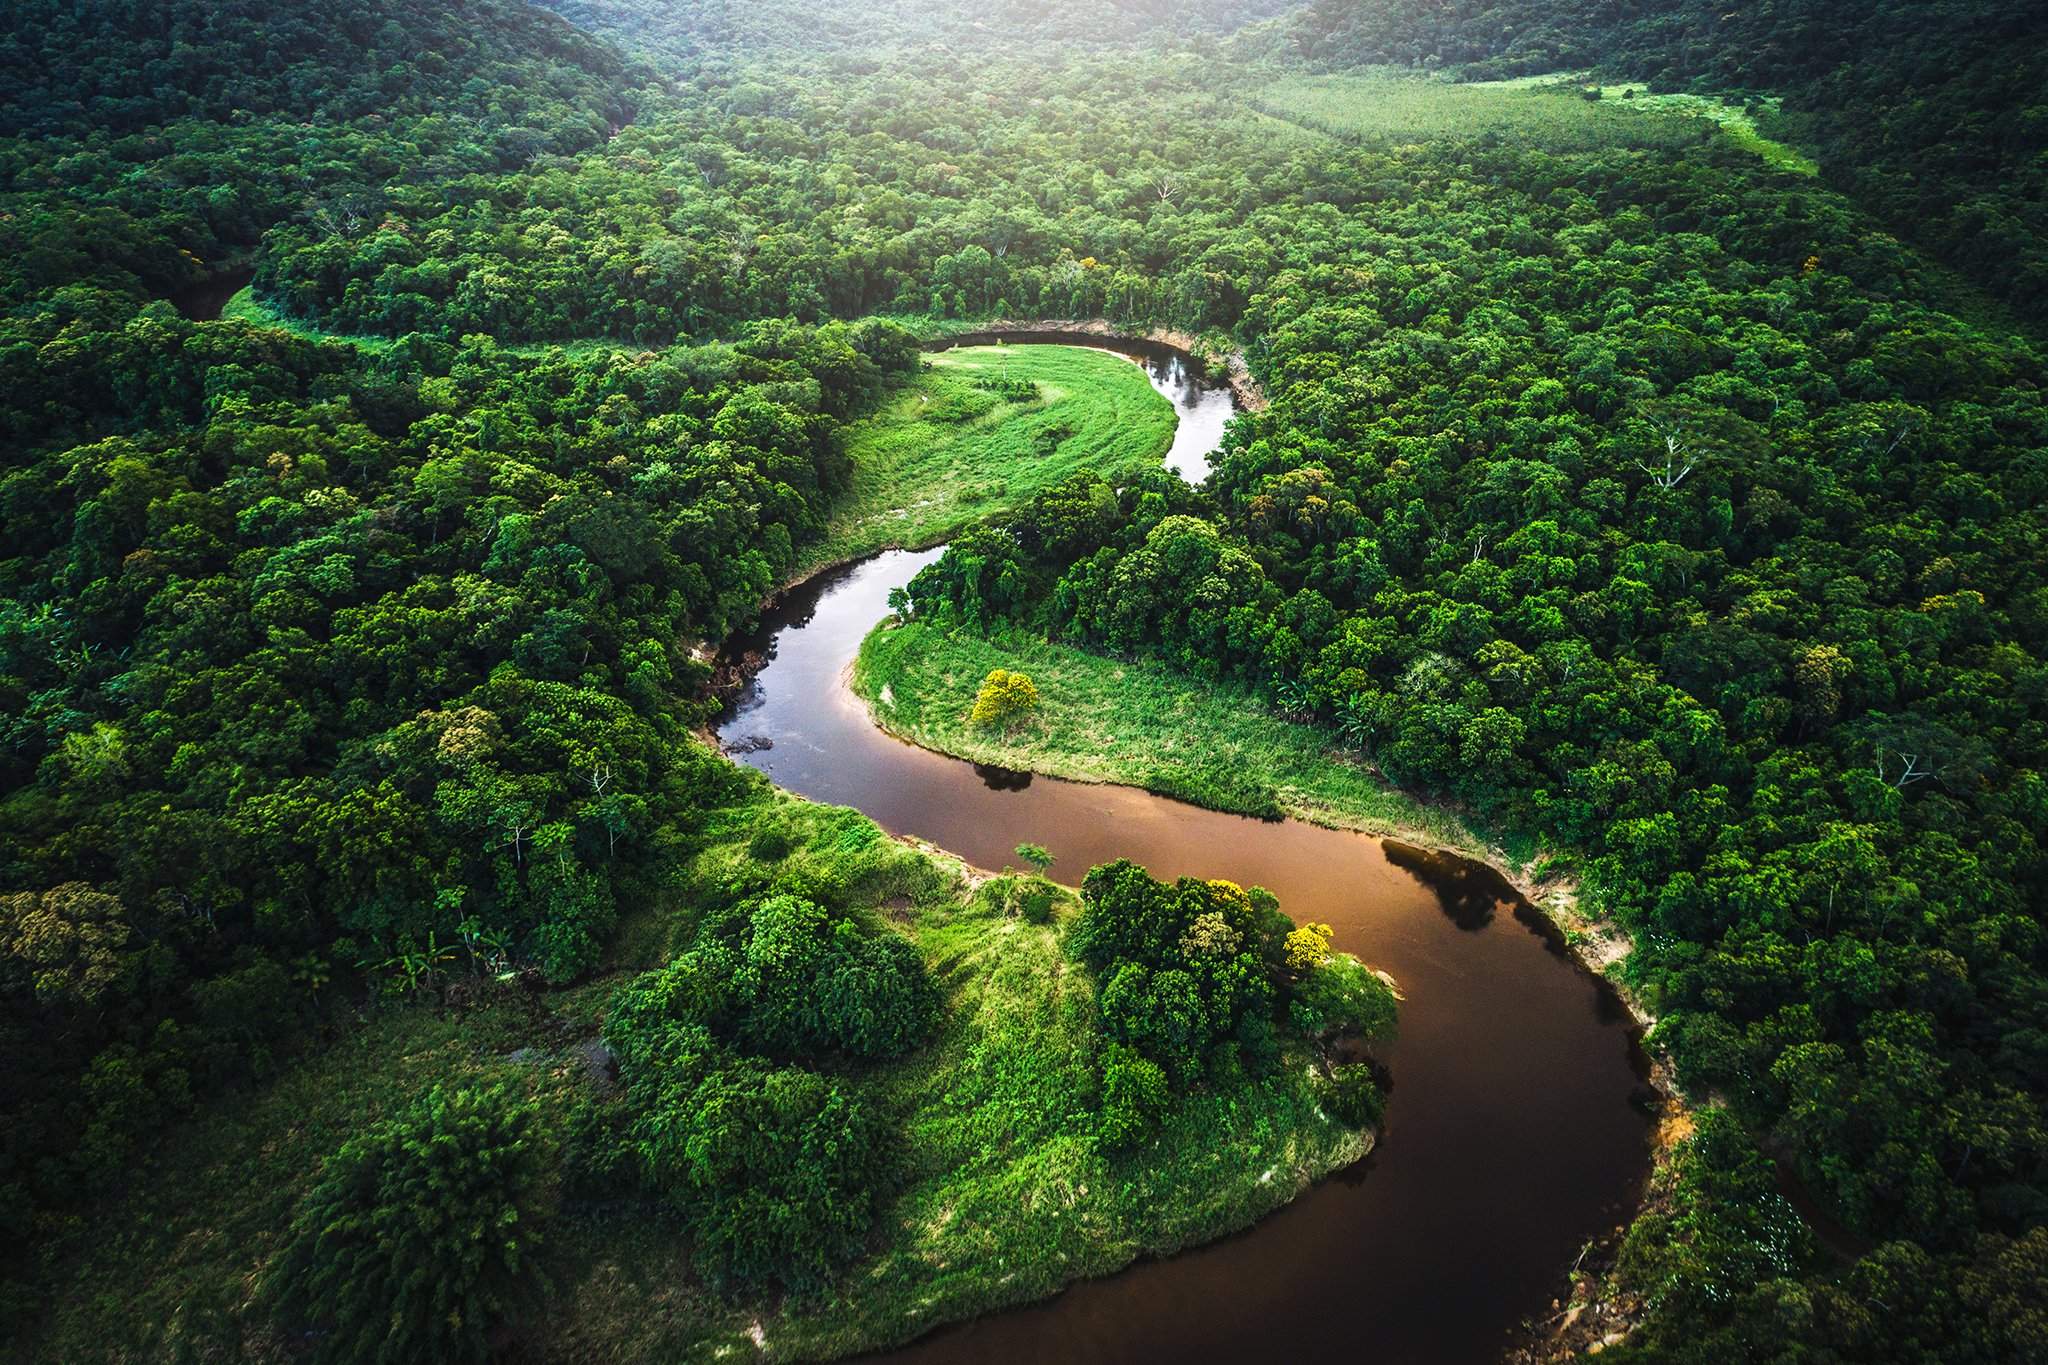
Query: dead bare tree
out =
(1677, 464)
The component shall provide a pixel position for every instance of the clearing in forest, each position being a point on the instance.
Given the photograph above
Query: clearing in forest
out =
(983, 427)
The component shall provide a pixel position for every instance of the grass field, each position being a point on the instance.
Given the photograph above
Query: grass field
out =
(943, 453)
(246, 307)
(1550, 111)
(1402, 107)
(1005, 1197)
(1101, 720)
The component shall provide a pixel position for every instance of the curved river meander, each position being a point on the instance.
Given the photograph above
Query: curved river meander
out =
(1513, 1131)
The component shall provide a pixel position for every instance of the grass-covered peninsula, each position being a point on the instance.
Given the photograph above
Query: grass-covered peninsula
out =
(980, 428)
(1136, 723)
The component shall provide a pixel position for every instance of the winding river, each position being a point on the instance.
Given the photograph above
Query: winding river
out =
(1514, 1132)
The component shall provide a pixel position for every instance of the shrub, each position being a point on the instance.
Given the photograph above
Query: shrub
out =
(1037, 902)
(1351, 1095)
(811, 979)
(1004, 699)
(770, 844)
(775, 1170)
(418, 1240)
(1343, 996)
(1133, 1097)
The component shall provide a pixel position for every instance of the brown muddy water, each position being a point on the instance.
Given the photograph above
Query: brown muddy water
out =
(1515, 1129)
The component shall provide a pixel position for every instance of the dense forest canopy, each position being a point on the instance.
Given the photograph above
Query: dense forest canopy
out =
(1634, 493)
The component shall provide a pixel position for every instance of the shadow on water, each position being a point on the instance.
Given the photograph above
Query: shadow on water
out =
(1469, 893)
(1001, 779)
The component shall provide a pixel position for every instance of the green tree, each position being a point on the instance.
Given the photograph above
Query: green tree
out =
(418, 1241)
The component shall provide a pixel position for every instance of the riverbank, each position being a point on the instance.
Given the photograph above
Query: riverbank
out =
(1214, 745)
(1137, 724)
(1228, 367)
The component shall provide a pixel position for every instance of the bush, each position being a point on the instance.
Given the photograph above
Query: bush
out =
(1037, 901)
(770, 844)
(810, 979)
(417, 1242)
(1351, 1095)
(598, 1162)
(1343, 996)
(1134, 1096)
(1004, 699)
(775, 1170)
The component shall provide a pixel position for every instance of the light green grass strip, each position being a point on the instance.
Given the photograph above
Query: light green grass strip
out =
(1101, 720)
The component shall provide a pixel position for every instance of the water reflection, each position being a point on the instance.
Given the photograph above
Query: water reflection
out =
(1511, 1060)
(1468, 892)
(1001, 779)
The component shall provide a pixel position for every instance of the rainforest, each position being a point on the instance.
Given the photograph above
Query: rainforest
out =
(1316, 679)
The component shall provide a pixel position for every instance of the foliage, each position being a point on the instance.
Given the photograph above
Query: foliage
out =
(1134, 1095)
(1352, 1094)
(1931, 115)
(419, 1240)
(776, 1170)
(1004, 698)
(1342, 996)
(1218, 745)
(1633, 493)
(1307, 946)
(1195, 969)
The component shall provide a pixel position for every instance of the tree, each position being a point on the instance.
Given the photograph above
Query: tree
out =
(417, 1244)
(1307, 947)
(65, 944)
(1037, 855)
(1005, 699)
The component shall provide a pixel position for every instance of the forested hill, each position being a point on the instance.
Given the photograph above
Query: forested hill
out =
(1933, 113)
(882, 27)
(117, 66)
(142, 145)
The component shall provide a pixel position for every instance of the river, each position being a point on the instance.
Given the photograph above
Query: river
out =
(1514, 1132)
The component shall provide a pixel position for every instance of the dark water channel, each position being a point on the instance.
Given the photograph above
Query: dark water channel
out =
(1513, 1131)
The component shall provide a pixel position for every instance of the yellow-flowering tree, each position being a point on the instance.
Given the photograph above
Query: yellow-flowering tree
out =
(1004, 699)
(1307, 946)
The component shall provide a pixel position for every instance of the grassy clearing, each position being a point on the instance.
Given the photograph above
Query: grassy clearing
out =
(1551, 111)
(1735, 120)
(1100, 720)
(1005, 1197)
(246, 307)
(1402, 107)
(943, 453)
